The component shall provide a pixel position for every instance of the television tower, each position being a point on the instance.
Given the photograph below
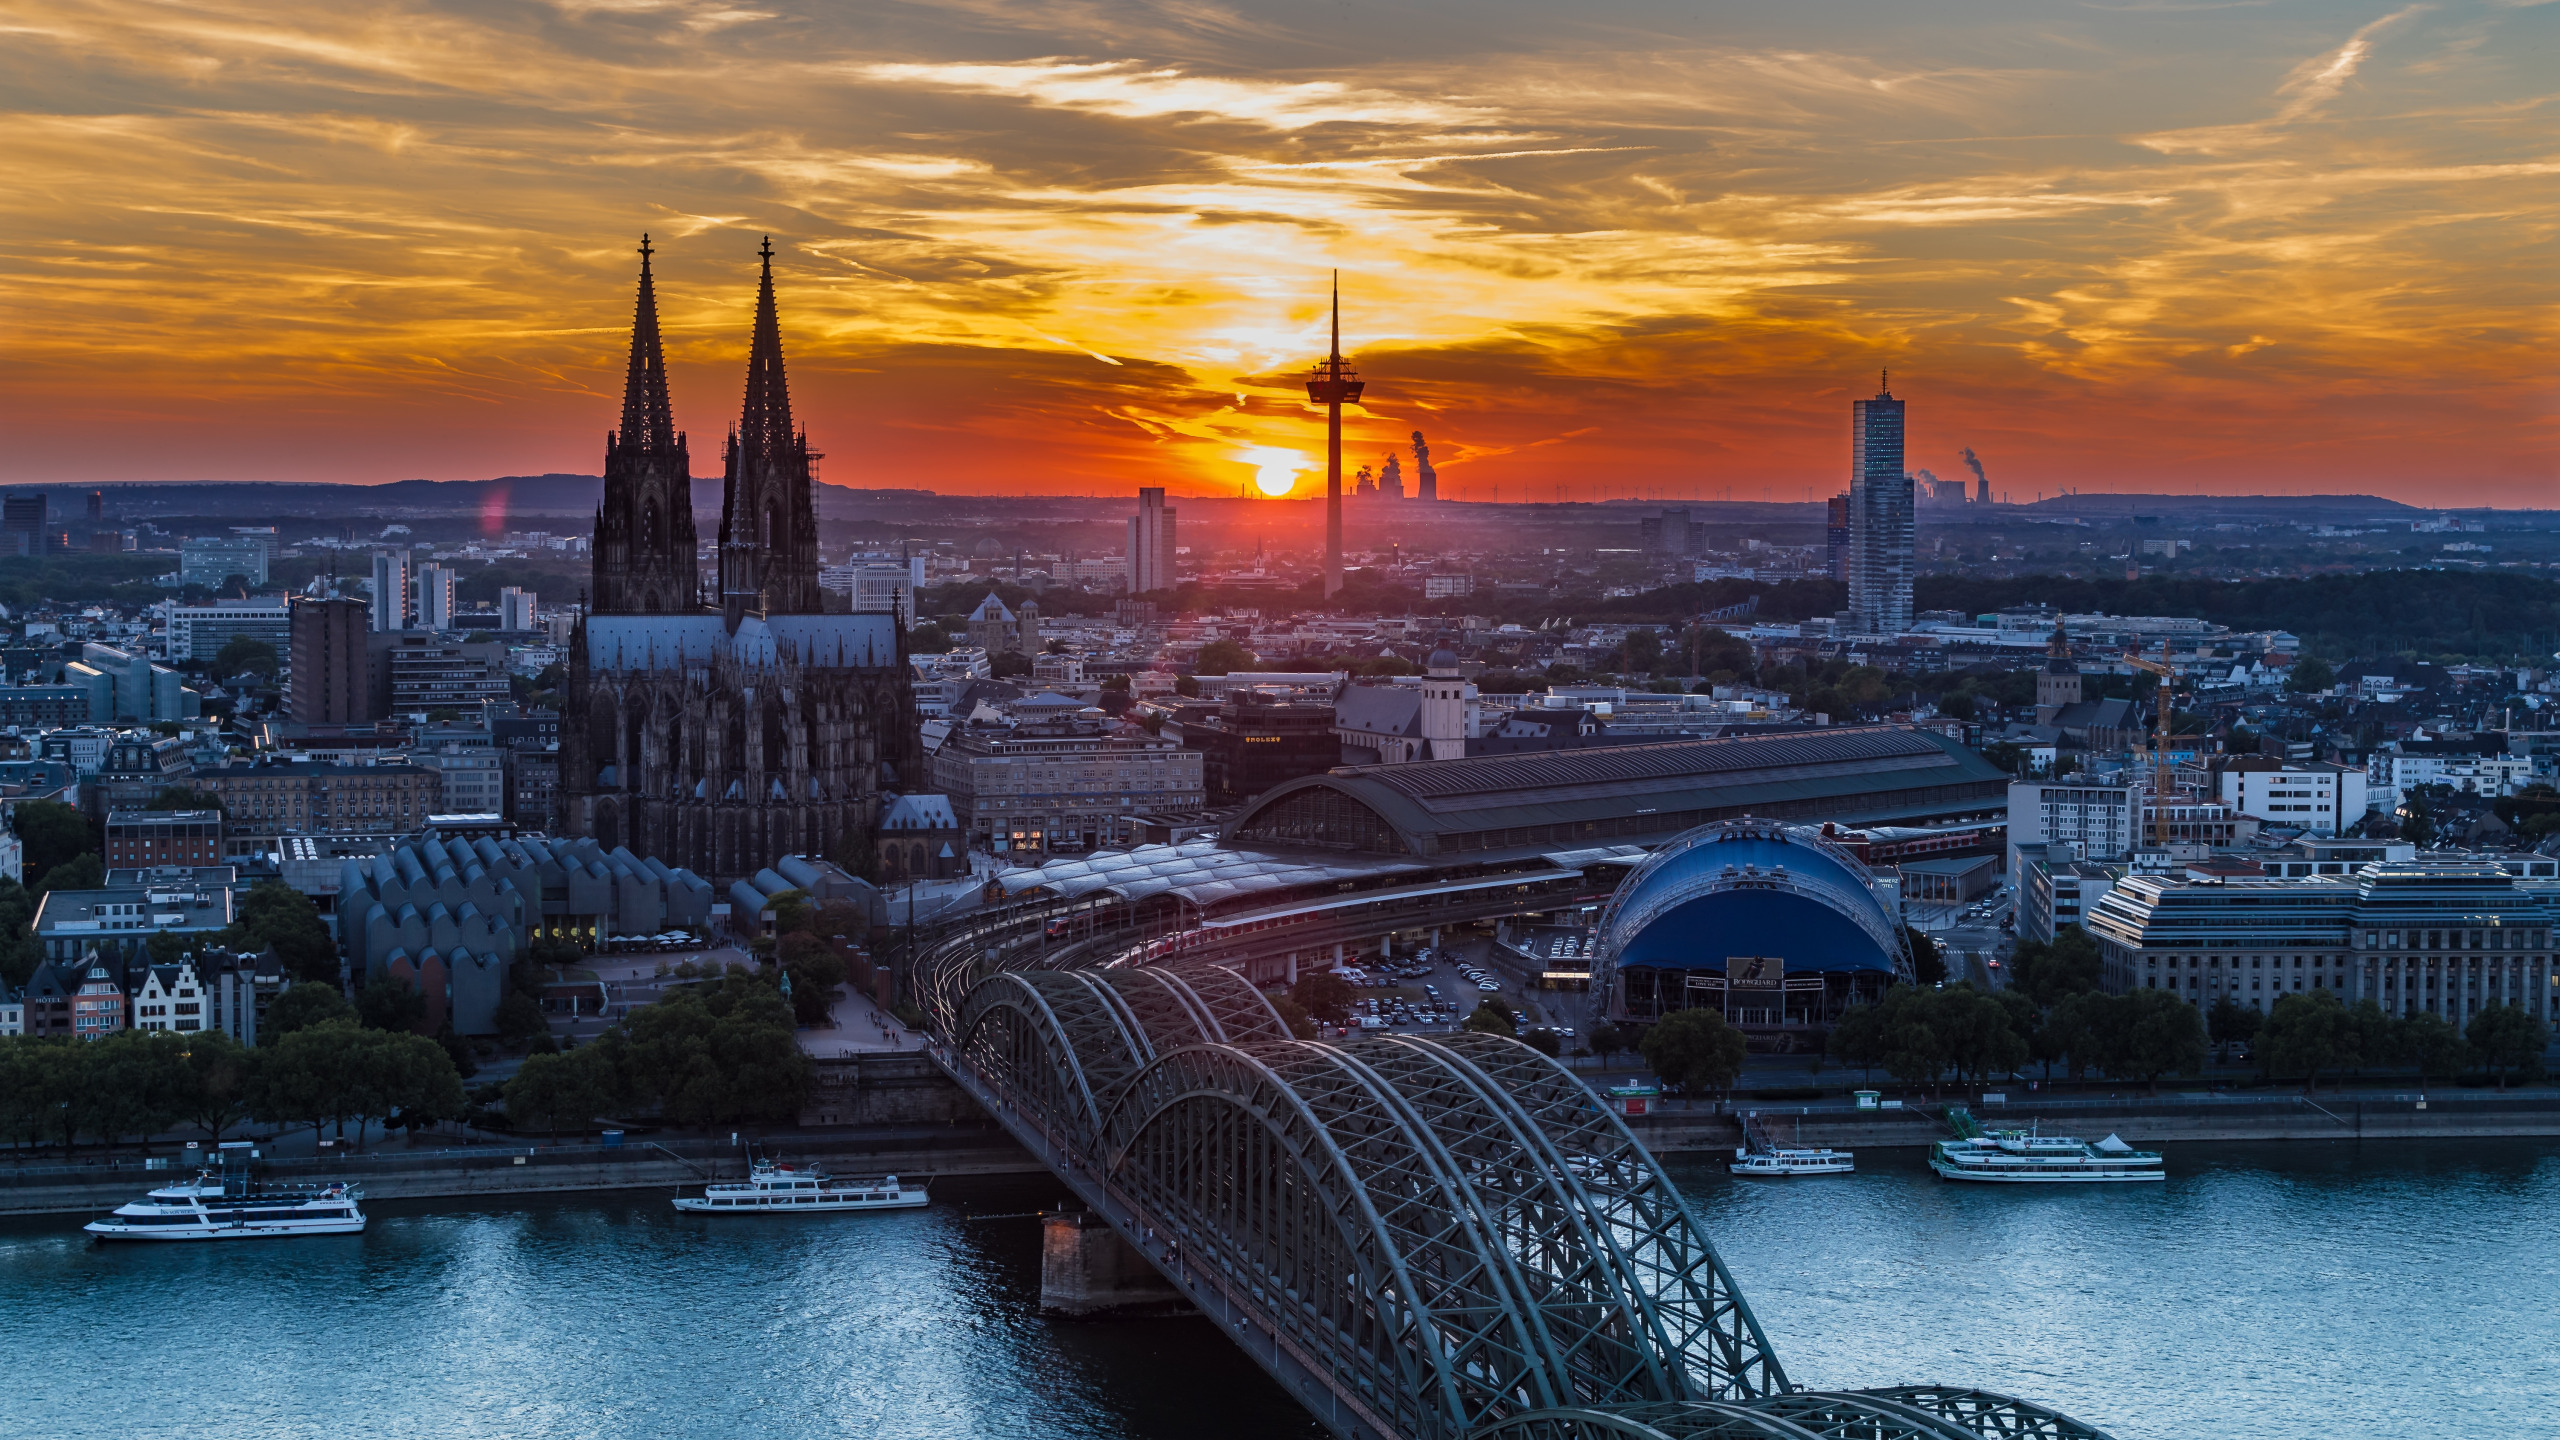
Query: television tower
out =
(1333, 385)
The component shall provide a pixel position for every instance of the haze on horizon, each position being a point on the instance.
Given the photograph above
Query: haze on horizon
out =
(1625, 247)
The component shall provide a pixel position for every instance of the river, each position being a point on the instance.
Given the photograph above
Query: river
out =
(2263, 1293)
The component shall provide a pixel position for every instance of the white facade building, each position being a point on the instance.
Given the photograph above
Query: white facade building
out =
(431, 605)
(170, 999)
(515, 608)
(390, 590)
(198, 632)
(2097, 820)
(2323, 799)
(2480, 766)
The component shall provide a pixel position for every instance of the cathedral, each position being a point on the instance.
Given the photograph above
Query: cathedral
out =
(720, 730)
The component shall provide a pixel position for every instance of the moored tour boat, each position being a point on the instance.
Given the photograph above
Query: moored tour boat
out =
(1787, 1160)
(2024, 1157)
(228, 1205)
(770, 1188)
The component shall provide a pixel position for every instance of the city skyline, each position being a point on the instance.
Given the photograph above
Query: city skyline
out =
(2270, 249)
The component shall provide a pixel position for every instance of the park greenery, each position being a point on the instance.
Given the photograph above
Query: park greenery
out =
(1693, 1052)
(714, 1052)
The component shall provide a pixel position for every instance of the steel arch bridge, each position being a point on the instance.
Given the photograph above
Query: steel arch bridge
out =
(1441, 1238)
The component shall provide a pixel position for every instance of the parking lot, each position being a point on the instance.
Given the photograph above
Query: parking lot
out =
(1436, 990)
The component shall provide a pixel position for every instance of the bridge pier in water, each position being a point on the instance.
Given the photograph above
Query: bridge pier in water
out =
(1087, 1269)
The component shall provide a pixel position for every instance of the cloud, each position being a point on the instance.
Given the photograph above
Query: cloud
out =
(1588, 249)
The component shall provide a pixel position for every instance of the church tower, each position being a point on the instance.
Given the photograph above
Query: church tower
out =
(644, 528)
(2058, 684)
(768, 520)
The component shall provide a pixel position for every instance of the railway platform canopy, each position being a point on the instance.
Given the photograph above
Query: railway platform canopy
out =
(1631, 794)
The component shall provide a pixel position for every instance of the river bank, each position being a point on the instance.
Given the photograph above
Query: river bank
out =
(431, 1170)
(2142, 1120)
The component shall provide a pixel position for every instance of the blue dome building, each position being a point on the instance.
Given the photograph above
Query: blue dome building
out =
(1769, 924)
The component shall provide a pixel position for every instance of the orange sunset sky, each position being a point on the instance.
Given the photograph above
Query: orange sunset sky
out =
(1606, 248)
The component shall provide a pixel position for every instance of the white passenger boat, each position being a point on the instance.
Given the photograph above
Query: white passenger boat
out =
(1787, 1160)
(771, 1188)
(228, 1205)
(2024, 1157)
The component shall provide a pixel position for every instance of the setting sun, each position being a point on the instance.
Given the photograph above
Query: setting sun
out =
(1275, 472)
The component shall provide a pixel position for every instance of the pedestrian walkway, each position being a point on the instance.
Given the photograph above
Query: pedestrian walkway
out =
(861, 1028)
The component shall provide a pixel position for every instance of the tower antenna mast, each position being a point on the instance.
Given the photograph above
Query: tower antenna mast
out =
(1332, 385)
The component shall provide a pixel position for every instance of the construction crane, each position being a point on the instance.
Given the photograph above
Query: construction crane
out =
(2160, 754)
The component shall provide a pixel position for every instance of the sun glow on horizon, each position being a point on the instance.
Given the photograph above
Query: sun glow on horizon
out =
(1275, 471)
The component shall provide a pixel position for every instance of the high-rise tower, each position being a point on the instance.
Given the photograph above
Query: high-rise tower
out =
(644, 527)
(1333, 385)
(1880, 517)
(768, 520)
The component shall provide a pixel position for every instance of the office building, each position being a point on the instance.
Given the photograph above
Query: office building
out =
(431, 598)
(2055, 889)
(1045, 787)
(23, 521)
(2448, 937)
(118, 921)
(45, 706)
(390, 590)
(1256, 742)
(327, 681)
(475, 777)
(313, 796)
(2322, 799)
(1881, 537)
(1151, 544)
(421, 673)
(515, 608)
(2089, 819)
(215, 560)
(198, 632)
(876, 587)
(1835, 538)
(122, 685)
(164, 837)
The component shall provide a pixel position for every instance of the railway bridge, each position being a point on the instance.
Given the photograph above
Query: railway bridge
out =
(1420, 1237)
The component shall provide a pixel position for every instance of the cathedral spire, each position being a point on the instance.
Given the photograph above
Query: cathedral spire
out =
(765, 427)
(648, 420)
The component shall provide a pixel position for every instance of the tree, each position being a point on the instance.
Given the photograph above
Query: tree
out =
(2379, 1040)
(52, 833)
(242, 655)
(306, 1077)
(139, 1081)
(2047, 973)
(1976, 1030)
(305, 1004)
(390, 1003)
(2145, 1034)
(1928, 966)
(1545, 1042)
(2509, 1038)
(1605, 1040)
(928, 638)
(274, 915)
(1859, 1038)
(2232, 1023)
(218, 1092)
(520, 1018)
(1186, 686)
(1490, 1017)
(561, 1092)
(2311, 674)
(2430, 1042)
(402, 1075)
(20, 951)
(80, 872)
(790, 909)
(1694, 1050)
(1008, 665)
(1222, 657)
(2309, 1032)
(1294, 1015)
(64, 1093)
(1324, 996)
(817, 974)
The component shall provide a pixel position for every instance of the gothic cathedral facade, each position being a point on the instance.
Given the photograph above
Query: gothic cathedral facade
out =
(721, 731)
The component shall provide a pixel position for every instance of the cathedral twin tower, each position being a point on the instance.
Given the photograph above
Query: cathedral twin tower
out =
(644, 542)
(720, 728)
